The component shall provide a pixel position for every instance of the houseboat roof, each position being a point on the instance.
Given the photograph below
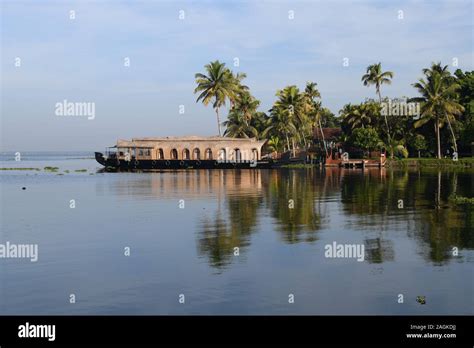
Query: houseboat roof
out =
(151, 142)
(198, 138)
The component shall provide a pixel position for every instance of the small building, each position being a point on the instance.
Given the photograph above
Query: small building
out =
(191, 148)
(331, 136)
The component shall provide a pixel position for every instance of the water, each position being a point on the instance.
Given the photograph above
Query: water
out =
(190, 250)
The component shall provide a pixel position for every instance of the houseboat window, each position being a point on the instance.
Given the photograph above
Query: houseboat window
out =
(222, 155)
(140, 152)
(238, 155)
(160, 154)
(147, 152)
(196, 154)
(133, 152)
(174, 154)
(186, 154)
(209, 154)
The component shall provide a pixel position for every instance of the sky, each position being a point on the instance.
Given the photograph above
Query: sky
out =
(50, 54)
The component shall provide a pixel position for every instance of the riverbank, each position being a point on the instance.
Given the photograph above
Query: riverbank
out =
(467, 162)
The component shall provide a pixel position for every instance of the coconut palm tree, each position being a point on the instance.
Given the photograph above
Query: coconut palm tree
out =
(247, 104)
(448, 79)
(282, 125)
(274, 144)
(375, 76)
(438, 101)
(262, 123)
(360, 116)
(237, 88)
(290, 108)
(215, 86)
(314, 109)
(238, 127)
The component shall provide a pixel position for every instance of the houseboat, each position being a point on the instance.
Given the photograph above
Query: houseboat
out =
(190, 152)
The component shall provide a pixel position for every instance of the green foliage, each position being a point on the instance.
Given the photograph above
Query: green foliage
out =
(365, 138)
(446, 105)
(461, 200)
(400, 151)
(438, 100)
(443, 163)
(20, 168)
(360, 116)
(216, 86)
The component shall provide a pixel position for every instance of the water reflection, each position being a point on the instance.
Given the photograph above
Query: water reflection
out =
(302, 204)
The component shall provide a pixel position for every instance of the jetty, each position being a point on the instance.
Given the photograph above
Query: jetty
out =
(335, 156)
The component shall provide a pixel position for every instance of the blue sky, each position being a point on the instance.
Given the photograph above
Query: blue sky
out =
(82, 60)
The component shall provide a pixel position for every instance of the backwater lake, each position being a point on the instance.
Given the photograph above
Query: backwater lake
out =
(182, 229)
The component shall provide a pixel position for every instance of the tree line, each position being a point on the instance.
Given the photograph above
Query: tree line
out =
(444, 124)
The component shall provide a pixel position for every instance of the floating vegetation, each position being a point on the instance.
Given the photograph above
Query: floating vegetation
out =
(66, 171)
(81, 170)
(51, 169)
(461, 200)
(20, 169)
(421, 299)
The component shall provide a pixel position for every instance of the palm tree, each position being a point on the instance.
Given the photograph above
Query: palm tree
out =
(314, 112)
(375, 76)
(438, 103)
(237, 88)
(282, 125)
(448, 79)
(359, 116)
(289, 108)
(237, 125)
(216, 86)
(247, 104)
(262, 123)
(274, 144)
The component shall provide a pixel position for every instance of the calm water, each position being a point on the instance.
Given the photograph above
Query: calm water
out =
(190, 250)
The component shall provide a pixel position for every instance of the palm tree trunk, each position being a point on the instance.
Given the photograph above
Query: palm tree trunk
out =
(322, 137)
(293, 145)
(438, 142)
(452, 134)
(386, 125)
(218, 121)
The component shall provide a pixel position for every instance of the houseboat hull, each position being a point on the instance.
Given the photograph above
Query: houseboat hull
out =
(119, 164)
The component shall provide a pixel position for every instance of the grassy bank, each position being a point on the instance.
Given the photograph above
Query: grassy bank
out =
(299, 165)
(467, 162)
